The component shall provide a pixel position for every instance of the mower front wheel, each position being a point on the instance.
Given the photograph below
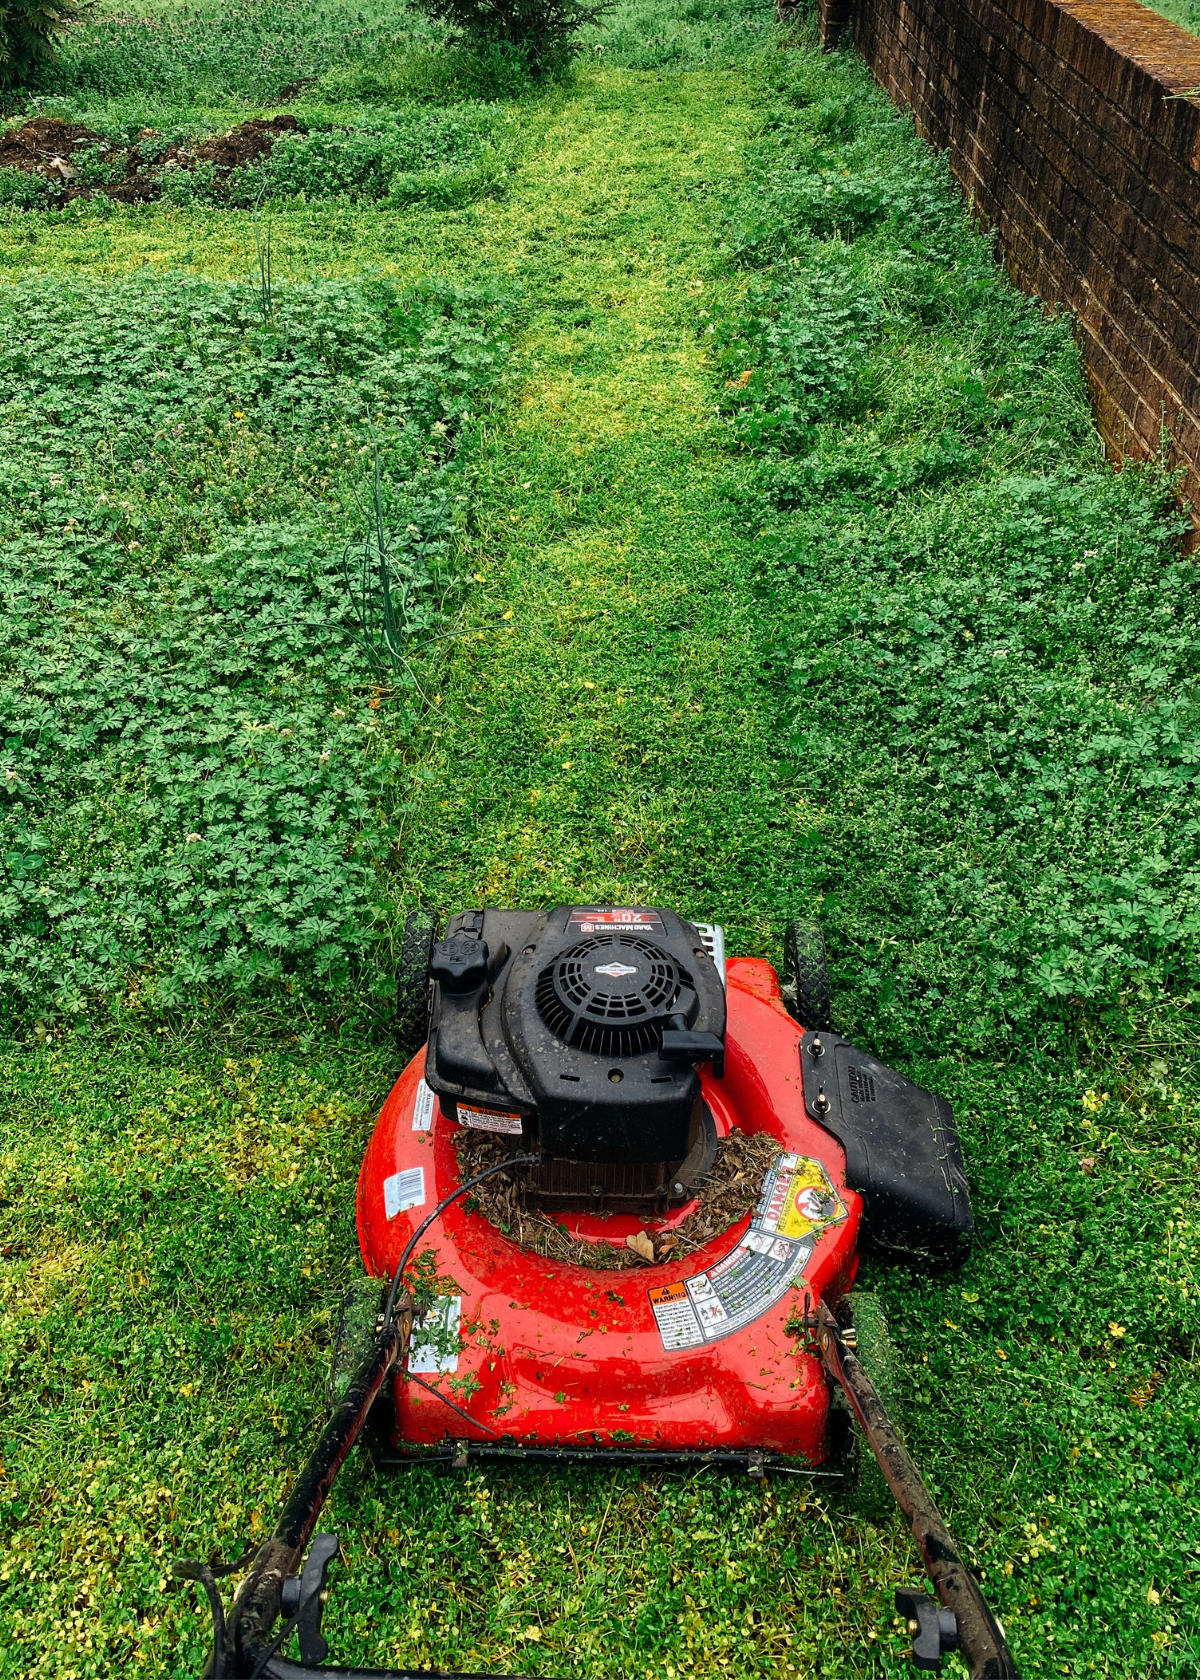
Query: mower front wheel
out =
(412, 976)
(806, 975)
(865, 1491)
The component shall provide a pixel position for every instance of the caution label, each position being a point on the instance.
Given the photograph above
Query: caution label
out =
(798, 1203)
(423, 1108)
(489, 1120)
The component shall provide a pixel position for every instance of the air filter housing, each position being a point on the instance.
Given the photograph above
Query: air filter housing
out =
(567, 1029)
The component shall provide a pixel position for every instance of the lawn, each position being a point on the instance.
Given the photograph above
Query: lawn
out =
(752, 550)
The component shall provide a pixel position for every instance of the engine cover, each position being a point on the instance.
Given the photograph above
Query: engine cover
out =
(588, 1023)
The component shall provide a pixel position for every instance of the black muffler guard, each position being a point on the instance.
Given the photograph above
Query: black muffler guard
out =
(902, 1152)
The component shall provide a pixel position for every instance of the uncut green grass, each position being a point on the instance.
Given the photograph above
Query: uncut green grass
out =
(177, 1198)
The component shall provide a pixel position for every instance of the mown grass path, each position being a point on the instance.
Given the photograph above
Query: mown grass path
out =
(614, 740)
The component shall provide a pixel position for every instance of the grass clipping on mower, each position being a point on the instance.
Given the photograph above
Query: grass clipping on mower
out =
(730, 1191)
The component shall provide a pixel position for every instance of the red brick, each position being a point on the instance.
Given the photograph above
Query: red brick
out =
(1064, 122)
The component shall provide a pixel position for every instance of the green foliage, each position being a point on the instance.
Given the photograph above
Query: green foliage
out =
(800, 348)
(190, 188)
(196, 788)
(682, 34)
(442, 156)
(252, 49)
(988, 643)
(543, 32)
(176, 1192)
(29, 32)
(22, 191)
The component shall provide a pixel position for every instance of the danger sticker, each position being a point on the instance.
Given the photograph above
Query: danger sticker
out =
(798, 1202)
(423, 1108)
(798, 1199)
(489, 1120)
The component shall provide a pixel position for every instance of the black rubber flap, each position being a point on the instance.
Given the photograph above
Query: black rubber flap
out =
(902, 1152)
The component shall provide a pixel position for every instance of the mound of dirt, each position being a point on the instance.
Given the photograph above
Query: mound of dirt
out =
(246, 143)
(730, 1191)
(45, 146)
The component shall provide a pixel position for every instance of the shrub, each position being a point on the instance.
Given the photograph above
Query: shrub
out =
(29, 30)
(541, 31)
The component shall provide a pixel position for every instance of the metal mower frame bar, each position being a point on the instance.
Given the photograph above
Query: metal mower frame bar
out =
(247, 1643)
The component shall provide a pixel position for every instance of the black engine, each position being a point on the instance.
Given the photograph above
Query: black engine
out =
(582, 1029)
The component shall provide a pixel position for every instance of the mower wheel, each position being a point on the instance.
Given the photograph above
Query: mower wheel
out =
(866, 1492)
(361, 1307)
(806, 975)
(412, 976)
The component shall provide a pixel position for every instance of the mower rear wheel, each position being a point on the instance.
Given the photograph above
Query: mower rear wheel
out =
(412, 976)
(865, 1490)
(361, 1306)
(806, 975)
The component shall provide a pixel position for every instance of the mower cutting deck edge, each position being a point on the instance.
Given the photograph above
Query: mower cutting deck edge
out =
(682, 1161)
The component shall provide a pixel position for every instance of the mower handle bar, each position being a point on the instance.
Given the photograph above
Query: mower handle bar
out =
(973, 1627)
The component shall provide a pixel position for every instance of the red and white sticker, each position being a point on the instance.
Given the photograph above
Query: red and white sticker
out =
(606, 920)
(489, 1120)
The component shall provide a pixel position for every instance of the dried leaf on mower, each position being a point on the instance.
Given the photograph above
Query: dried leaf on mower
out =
(727, 1195)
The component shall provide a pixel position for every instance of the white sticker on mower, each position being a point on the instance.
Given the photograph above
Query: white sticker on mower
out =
(404, 1190)
(436, 1339)
(798, 1202)
(489, 1120)
(423, 1108)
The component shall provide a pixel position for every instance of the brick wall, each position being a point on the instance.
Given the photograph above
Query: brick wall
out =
(1070, 125)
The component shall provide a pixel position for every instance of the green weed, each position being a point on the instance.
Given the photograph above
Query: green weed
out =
(197, 767)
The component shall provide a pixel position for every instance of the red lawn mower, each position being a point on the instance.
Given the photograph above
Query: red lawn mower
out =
(611, 1213)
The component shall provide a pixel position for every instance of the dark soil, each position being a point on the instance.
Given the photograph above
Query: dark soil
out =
(727, 1195)
(45, 146)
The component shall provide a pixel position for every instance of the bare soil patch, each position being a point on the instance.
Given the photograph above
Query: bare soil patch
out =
(49, 148)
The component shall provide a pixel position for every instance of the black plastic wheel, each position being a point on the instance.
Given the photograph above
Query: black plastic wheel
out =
(806, 975)
(865, 1490)
(361, 1305)
(412, 976)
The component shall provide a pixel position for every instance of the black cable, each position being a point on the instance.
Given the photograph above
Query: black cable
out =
(411, 1376)
(488, 1172)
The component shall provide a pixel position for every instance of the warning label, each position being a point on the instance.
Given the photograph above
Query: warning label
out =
(489, 1120)
(798, 1202)
(423, 1108)
(609, 920)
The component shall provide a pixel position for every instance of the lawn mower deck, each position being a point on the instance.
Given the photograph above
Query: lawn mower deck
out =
(690, 1354)
(699, 1352)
